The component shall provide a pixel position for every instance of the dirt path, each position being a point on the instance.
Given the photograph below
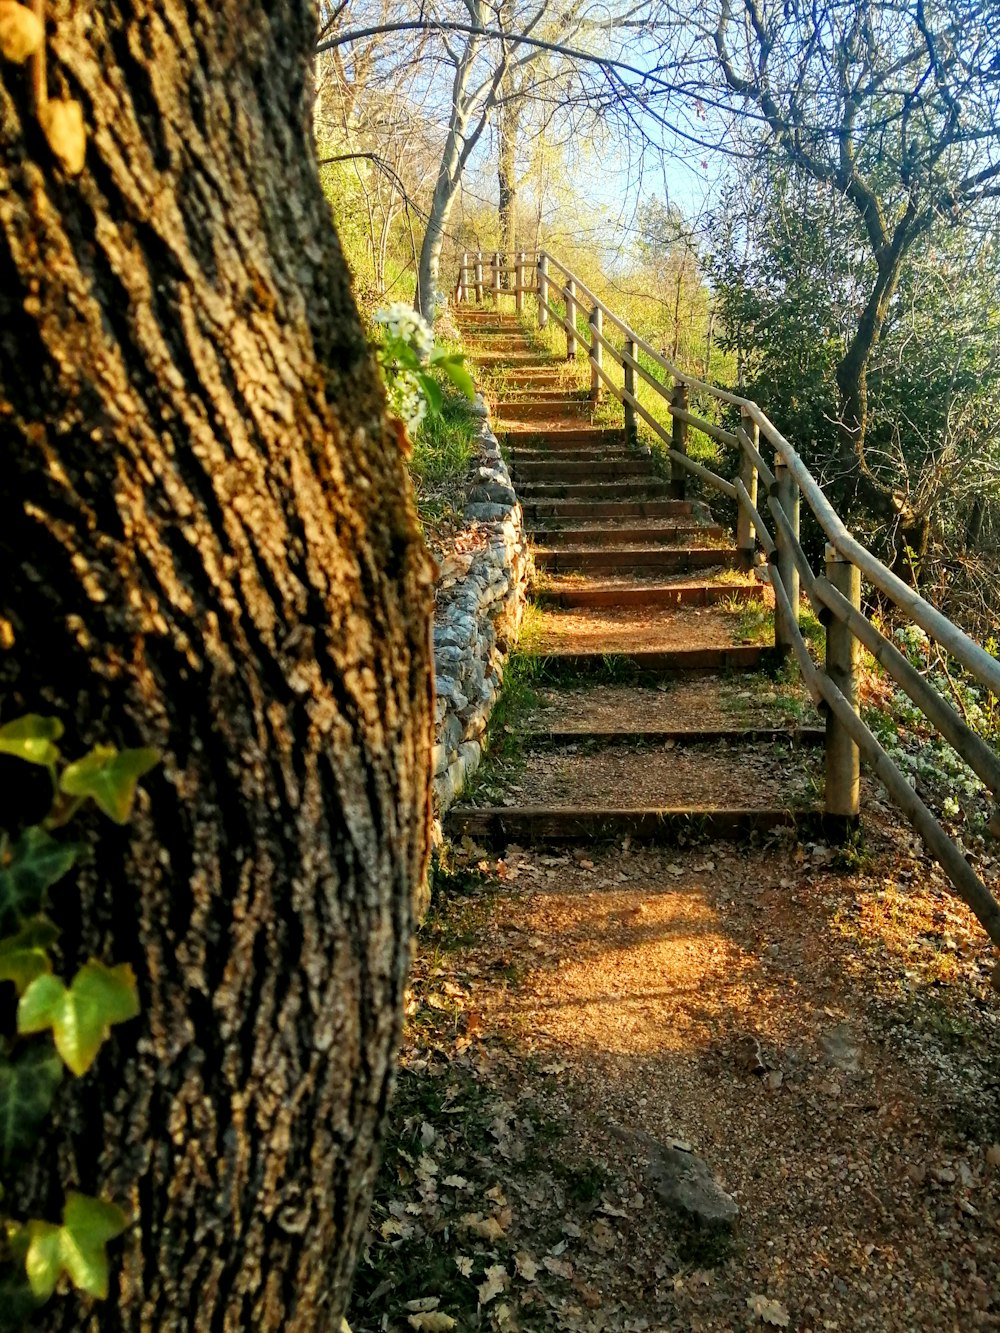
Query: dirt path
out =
(824, 1039)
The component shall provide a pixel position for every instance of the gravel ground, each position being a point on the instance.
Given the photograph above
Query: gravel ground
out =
(823, 1037)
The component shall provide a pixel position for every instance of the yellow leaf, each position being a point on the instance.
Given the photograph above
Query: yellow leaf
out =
(65, 131)
(436, 1322)
(21, 33)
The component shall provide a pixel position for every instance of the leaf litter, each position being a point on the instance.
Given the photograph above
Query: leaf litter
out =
(822, 1034)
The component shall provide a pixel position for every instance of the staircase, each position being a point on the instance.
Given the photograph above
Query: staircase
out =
(651, 717)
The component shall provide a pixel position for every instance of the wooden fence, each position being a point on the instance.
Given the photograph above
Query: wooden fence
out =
(835, 591)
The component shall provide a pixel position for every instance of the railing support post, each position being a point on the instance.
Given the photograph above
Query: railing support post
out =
(519, 283)
(631, 433)
(678, 440)
(596, 322)
(843, 653)
(463, 279)
(479, 277)
(496, 278)
(745, 534)
(571, 320)
(787, 495)
(543, 291)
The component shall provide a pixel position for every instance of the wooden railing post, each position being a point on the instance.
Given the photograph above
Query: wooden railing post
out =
(496, 278)
(678, 440)
(571, 320)
(479, 277)
(745, 534)
(843, 653)
(596, 322)
(519, 283)
(631, 434)
(787, 495)
(543, 291)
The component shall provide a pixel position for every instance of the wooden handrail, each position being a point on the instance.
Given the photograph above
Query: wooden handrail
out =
(788, 563)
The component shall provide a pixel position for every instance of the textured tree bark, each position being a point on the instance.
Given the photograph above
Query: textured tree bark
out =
(208, 544)
(508, 128)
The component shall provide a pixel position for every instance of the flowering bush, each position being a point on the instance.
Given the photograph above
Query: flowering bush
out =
(409, 359)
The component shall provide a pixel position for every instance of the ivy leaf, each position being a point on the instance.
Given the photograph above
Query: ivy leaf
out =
(27, 1087)
(80, 1017)
(23, 956)
(109, 776)
(77, 1248)
(27, 868)
(31, 738)
(17, 1301)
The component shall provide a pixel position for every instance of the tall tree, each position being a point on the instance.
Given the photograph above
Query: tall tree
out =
(896, 108)
(208, 545)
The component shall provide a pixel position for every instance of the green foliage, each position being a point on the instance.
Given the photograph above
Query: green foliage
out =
(109, 777)
(28, 1084)
(36, 1254)
(77, 1248)
(792, 270)
(81, 1015)
(28, 868)
(411, 363)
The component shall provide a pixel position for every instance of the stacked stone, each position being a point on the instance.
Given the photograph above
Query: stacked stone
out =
(481, 597)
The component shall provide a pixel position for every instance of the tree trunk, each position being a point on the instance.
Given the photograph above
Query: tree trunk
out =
(910, 530)
(429, 265)
(508, 125)
(208, 545)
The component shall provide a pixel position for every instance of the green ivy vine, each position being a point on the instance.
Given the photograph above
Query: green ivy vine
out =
(48, 1023)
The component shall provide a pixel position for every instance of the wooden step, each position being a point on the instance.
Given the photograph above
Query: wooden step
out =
(574, 454)
(529, 394)
(633, 559)
(496, 827)
(615, 509)
(556, 736)
(647, 594)
(628, 489)
(663, 661)
(556, 434)
(570, 470)
(538, 448)
(541, 410)
(612, 535)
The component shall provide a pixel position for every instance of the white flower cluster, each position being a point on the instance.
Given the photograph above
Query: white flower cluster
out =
(403, 322)
(408, 401)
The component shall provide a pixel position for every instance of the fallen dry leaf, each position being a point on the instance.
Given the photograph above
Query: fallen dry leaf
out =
(435, 1322)
(525, 1265)
(771, 1312)
(496, 1282)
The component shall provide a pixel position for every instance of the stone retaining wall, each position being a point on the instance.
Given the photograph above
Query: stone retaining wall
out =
(481, 593)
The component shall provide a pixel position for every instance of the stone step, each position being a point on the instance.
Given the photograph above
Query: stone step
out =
(572, 470)
(612, 536)
(632, 560)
